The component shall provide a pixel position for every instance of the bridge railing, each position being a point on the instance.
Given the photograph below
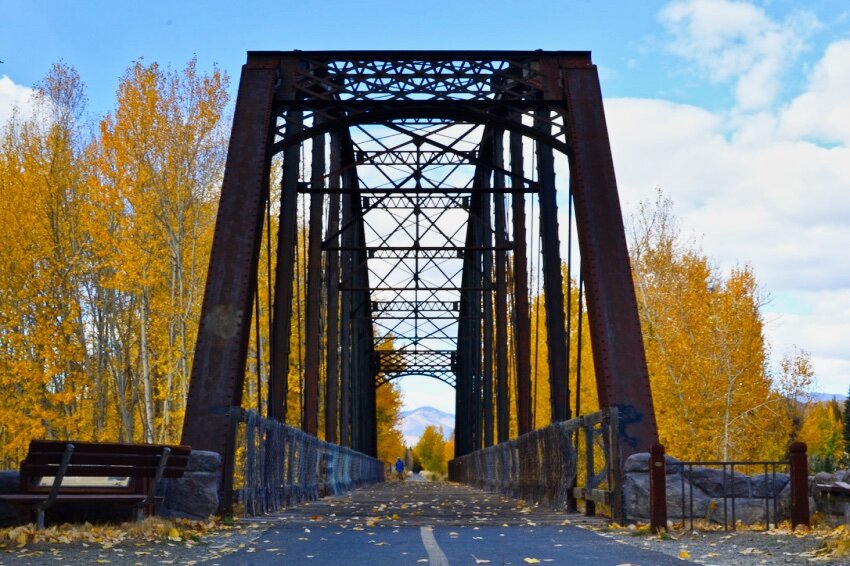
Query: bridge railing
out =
(553, 466)
(277, 465)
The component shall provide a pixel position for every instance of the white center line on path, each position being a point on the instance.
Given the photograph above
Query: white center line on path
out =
(436, 556)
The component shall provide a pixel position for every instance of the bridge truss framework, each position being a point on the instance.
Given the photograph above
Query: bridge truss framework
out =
(417, 167)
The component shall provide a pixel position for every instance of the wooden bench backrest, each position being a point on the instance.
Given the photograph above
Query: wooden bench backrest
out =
(91, 459)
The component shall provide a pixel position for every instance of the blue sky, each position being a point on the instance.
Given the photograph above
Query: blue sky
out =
(739, 111)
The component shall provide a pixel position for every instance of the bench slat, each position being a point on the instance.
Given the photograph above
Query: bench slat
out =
(99, 471)
(50, 446)
(76, 497)
(107, 459)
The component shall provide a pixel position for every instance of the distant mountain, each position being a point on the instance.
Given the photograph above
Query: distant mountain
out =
(823, 397)
(413, 423)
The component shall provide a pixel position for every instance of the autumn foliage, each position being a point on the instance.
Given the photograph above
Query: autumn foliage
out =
(105, 233)
(103, 255)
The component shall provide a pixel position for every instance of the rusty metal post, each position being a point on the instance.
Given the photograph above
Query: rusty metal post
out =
(553, 282)
(312, 334)
(228, 467)
(615, 472)
(467, 346)
(221, 349)
(487, 323)
(284, 272)
(522, 322)
(346, 333)
(799, 484)
(501, 297)
(589, 503)
(657, 489)
(332, 413)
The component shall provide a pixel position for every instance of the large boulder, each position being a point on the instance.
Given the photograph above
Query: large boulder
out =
(680, 496)
(717, 483)
(747, 510)
(768, 485)
(636, 497)
(639, 463)
(195, 495)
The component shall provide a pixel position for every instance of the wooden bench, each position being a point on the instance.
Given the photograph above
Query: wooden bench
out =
(57, 471)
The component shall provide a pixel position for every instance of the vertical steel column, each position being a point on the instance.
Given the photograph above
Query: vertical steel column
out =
(466, 346)
(363, 378)
(553, 282)
(522, 323)
(285, 269)
(501, 302)
(332, 416)
(350, 400)
(620, 363)
(221, 349)
(487, 323)
(313, 338)
(345, 330)
(475, 293)
(486, 243)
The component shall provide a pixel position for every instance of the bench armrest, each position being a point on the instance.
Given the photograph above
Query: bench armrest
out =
(60, 475)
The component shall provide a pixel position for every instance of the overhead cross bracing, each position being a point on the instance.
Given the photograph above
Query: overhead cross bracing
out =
(411, 174)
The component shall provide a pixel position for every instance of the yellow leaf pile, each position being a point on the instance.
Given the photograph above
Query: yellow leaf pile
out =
(151, 529)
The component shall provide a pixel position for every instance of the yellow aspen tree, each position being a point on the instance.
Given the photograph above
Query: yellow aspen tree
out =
(431, 450)
(388, 401)
(822, 432)
(706, 353)
(44, 255)
(162, 156)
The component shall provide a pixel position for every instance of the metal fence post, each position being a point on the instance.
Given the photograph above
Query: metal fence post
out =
(657, 489)
(589, 503)
(614, 470)
(229, 465)
(799, 484)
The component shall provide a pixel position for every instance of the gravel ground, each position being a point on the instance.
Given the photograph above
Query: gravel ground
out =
(746, 548)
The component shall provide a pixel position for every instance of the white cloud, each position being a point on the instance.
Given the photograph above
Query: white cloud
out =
(823, 112)
(755, 188)
(14, 96)
(737, 41)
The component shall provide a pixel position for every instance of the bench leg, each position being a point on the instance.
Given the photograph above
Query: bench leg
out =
(39, 519)
(140, 514)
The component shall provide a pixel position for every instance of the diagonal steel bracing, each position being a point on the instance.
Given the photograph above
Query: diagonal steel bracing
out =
(420, 196)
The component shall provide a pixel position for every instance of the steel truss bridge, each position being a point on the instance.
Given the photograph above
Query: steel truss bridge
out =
(416, 172)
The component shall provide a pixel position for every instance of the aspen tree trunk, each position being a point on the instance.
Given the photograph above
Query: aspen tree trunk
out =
(147, 425)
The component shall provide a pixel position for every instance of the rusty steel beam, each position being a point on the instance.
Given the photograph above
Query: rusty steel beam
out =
(221, 349)
(347, 367)
(287, 239)
(619, 359)
(332, 383)
(522, 322)
(501, 296)
(487, 325)
(312, 334)
(553, 283)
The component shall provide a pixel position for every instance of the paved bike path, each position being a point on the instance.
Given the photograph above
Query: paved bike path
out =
(453, 545)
